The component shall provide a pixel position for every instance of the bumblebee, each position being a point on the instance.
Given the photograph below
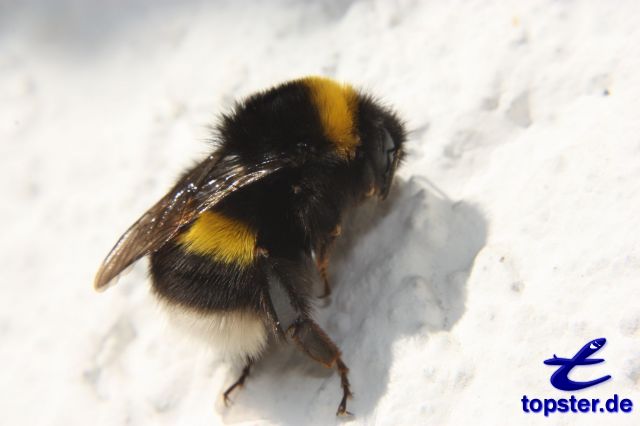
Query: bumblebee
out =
(237, 246)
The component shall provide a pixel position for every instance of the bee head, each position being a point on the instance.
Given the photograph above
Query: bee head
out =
(382, 136)
(323, 122)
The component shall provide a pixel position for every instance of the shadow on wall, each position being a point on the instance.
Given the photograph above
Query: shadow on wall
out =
(400, 269)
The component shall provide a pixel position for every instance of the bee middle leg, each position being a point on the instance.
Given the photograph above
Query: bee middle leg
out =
(322, 260)
(315, 343)
(238, 383)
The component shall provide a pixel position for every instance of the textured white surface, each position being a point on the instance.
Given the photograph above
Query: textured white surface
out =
(512, 233)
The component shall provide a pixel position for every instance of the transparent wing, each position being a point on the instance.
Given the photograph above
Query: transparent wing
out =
(200, 189)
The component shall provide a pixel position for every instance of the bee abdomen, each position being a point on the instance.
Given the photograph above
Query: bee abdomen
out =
(199, 282)
(224, 239)
(208, 282)
(238, 334)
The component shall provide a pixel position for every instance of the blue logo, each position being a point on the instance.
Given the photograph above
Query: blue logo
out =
(560, 379)
(572, 403)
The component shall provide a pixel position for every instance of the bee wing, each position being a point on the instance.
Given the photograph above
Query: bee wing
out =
(200, 189)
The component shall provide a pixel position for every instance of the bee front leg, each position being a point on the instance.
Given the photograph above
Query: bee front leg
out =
(315, 343)
(238, 383)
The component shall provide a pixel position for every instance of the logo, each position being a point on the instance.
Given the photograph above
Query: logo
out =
(560, 379)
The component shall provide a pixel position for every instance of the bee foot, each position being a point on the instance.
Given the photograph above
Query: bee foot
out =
(237, 384)
(227, 401)
(342, 408)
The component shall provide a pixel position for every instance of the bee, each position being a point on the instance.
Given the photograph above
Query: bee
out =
(237, 246)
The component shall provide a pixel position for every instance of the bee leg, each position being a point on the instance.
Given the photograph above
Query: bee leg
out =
(315, 343)
(323, 259)
(323, 264)
(237, 383)
(287, 307)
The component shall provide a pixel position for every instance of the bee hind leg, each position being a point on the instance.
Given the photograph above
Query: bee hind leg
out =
(238, 383)
(315, 343)
(286, 305)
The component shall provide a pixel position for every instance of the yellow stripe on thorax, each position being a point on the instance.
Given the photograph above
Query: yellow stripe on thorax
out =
(226, 240)
(337, 105)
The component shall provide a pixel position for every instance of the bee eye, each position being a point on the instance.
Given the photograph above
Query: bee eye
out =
(389, 149)
(389, 144)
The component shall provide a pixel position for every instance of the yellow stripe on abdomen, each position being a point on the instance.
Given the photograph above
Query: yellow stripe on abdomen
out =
(337, 105)
(226, 240)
